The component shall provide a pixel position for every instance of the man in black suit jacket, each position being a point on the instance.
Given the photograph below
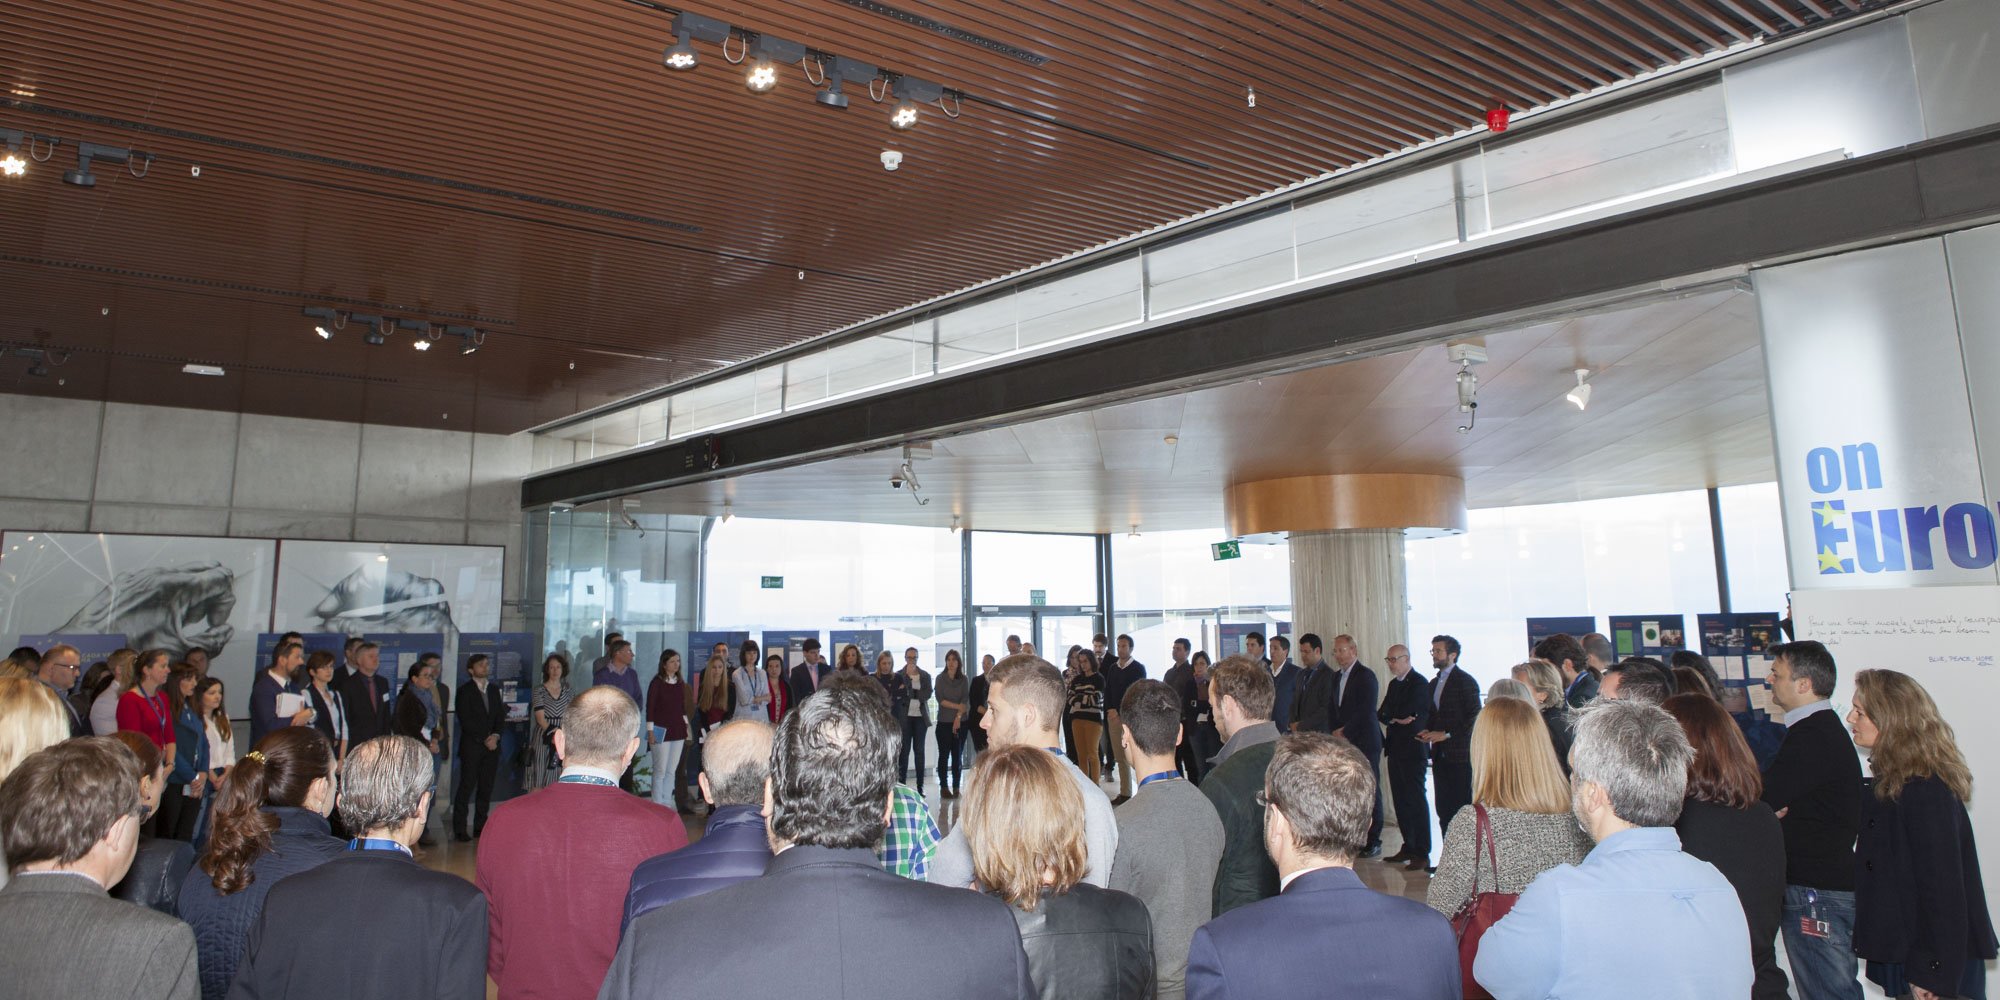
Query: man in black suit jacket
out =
(807, 677)
(1312, 706)
(833, 769)
(1356, 697)
(480, 716)
(366, 694)
(404, 930)
(1406, 711)
(1454, 708)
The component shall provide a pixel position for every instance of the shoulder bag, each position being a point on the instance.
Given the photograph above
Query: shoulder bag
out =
(1482, 909)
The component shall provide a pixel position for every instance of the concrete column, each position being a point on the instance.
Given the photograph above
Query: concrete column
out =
(1351, 582)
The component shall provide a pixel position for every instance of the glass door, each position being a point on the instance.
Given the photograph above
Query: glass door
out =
(1052, 631)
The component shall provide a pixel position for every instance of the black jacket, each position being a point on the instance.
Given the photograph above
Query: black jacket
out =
(1354, 717)
(1918, 895)
(919, 689)
(824, 922)
(410, 715)
(1818, 777)
(157, 871)
(1246, 873)
(368, 711)
(1562, 732)
(323, 714)
(479, 717)
(302, 841)
(1454, 713)
(1408, 695)
(1748, 848)
(1088, 942)
(800, 681)
(404, 931)
(1312, 707)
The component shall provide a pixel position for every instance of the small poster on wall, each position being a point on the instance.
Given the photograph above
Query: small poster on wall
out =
(1576, 626)
(1656, 636)
(1738, 647)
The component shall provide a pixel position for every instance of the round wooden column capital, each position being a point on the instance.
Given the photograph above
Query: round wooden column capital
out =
(1373, 500)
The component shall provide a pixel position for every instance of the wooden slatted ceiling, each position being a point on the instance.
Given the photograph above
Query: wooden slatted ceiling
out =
(533, 169)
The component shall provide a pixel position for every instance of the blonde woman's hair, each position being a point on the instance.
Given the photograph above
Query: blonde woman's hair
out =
(31, 718)
(1542, 680)
(1023, 822)
(124, 666)
(714, 684)
(1914, 741)
(1514, 762)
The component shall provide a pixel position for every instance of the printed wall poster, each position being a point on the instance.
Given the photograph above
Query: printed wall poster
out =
(1656, 636)
(354, 587)
(1576, 626)
(159, 591)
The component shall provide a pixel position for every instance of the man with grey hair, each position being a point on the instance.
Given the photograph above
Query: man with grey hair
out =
(735, 761)
(1319, 802)
(1629, 775)
(557, 910)
(405, 930)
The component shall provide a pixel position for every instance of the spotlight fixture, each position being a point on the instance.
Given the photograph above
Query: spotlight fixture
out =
(954, 524)
(470, 339)
(1581, 394)
(90, 151)
(198, 369)
(766, 53)
(375, 329)
(911, 92)
(689, 28)
(12, 163)
(421, 344)
(329, 320)
(839, 71)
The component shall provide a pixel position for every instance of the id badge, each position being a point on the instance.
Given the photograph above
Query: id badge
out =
(1809, 922)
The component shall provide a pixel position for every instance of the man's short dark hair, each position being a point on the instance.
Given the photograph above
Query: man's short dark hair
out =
(809, 644)
(1280, 642)
(617, 646)
(833, 762)
(423, 658)
(1100, 637)
(1310, 640)
(1126, 639)
(1259, 636)
(1599, 647)
(476, 658)
(1558, 648)
(1642, 679)
(63, 799)
(1245, 680)
(1182, 643)
(1810, 660)
(1151, 712)
(1326, 791)
(1450, 645)
(353, 641)
(611, 637)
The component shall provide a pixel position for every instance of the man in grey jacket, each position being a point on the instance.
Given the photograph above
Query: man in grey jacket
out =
(69, 816)
(1025, 700)
(1169, 837)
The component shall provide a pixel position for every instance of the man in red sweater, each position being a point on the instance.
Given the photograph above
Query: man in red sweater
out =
(555, 864)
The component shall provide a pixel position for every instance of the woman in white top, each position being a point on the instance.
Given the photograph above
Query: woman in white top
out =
(221, 740)
(104, 708)
(753, 686)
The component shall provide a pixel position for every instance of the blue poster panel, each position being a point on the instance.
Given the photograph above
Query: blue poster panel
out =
(1575, 626)
(867, 640)
(700, 644)
(789, 643)
(1656, 636)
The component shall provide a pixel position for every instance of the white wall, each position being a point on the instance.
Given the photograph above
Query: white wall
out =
(69, 465)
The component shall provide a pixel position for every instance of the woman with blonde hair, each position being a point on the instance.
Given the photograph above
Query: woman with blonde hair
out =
(31, 718)
(1545, 686)
(1519, 824)
(1920, 918)
(717, 699)
(1023, 820)
(104, 705)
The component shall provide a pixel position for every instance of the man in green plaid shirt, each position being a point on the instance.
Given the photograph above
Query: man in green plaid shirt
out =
(911, 837)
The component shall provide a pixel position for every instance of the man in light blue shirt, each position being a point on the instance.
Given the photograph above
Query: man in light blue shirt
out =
(1638, 918)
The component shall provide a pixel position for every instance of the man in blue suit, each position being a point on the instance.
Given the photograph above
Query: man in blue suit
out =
(1356, 698)
(1320, 794)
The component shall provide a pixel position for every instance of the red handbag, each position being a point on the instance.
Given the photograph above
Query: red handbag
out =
(1482, 909)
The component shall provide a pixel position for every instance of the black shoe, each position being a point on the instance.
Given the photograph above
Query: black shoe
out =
(1373, 852)
(1428, 869)
(1121, 800)
(461, 836)
(1397, 858)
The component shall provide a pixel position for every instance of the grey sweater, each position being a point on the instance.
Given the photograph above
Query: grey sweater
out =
(1169, 844)
(951, 864)
(1528, 843)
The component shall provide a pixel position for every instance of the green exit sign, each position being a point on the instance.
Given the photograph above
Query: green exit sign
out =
(774, 583)
(1038, 598)
(1231, 549)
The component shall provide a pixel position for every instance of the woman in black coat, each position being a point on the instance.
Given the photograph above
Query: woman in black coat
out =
(1725, 823)
(1920, 919)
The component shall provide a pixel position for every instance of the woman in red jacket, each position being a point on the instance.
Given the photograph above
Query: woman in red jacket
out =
(781, 692)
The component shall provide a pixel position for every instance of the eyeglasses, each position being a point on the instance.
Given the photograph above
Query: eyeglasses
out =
(1263, 801)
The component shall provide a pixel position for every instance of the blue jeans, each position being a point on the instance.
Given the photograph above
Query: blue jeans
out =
(1823, 968)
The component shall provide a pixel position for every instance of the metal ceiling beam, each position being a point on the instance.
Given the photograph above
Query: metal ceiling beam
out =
(1921, 189)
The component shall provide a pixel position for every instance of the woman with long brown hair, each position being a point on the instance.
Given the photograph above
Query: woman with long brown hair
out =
(1726, 823)
(180, 806)
(717, 694)
(270, 822)
(1920, 918)
(1024, 826)
(850, 659)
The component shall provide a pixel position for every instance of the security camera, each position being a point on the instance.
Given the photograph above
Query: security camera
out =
(896, 481)
(891, 159)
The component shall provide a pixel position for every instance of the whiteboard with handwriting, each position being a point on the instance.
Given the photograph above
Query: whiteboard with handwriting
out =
(1947, 638)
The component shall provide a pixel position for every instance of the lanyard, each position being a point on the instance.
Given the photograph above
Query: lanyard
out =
(1058, 751)
(1162, 776)
(376, 844)
(158, 709)
(586, 779)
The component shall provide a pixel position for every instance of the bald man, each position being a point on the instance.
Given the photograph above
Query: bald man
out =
(736, 758)
(1406, 711)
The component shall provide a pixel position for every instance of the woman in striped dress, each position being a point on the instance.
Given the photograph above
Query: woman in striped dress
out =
(551, 701)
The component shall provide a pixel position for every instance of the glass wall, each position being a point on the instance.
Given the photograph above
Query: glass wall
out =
(1166, 585)
(1753, 539)
(605, 575)
(835, 575)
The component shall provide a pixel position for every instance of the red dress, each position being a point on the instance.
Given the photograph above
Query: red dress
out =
(781, 699)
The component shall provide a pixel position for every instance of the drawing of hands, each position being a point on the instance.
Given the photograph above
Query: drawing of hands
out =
(175, 608)
(376, 598)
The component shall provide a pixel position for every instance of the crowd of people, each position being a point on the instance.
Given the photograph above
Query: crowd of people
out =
(1577, 796)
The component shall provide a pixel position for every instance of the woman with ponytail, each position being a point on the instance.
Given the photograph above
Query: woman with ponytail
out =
(269, 822)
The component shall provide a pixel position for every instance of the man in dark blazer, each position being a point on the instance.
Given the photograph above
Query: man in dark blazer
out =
(806, 678)
(72, 812)
(1406, 711)
(1312, 708)
(1454, 708)
(404, 930)
(1284, 680)
(1277, 947)
(832, 773)
(1356, 697)
(366, 694)
(480, 716)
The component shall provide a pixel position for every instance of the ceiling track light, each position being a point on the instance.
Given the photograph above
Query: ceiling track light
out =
(470, 338)
(911, 92)
(688, 29)
(330, 320)
(137, 164)
(840, 70)
(766, 53)
(1581, 394)
(12, 163)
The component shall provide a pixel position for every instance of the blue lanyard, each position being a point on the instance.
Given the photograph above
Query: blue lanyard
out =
(1162, 776)
(376, 844)
(586, 779)
(1058, 751)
